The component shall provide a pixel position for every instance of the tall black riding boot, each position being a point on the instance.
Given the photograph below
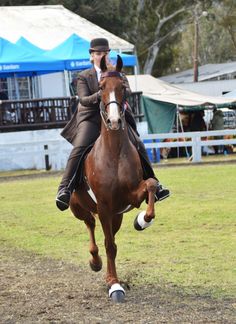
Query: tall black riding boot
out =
(67, 184)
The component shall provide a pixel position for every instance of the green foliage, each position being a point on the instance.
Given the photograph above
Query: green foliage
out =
(217, 43)
(191, 244)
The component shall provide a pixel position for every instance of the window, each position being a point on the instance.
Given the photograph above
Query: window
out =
(17, 88)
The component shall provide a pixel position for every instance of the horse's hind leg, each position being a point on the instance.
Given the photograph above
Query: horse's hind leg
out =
(89, 220)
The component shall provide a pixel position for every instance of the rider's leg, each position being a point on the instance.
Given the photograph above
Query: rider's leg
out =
(148, 172)
(162, 192)
(87, 134)
(67, 184)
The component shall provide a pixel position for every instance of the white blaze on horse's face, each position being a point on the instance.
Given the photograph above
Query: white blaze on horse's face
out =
(114, 113)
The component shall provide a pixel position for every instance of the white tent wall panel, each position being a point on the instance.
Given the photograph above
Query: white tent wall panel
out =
(52, 85)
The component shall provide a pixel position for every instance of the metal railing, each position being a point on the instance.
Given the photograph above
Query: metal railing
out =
(34, 114)
(19, 115)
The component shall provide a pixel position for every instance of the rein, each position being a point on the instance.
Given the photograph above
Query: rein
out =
(103, 107)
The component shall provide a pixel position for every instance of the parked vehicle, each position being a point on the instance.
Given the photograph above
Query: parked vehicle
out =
(229, 116)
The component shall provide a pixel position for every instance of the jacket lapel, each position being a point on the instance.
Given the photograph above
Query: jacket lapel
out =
(93, 81)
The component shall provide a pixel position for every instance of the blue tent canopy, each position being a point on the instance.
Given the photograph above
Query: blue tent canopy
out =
(75, 53)
(23, 42)
(16, 60)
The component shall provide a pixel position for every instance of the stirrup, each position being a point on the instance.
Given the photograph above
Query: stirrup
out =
(161, 193)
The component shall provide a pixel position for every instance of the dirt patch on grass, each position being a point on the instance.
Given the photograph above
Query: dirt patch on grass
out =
(43, 290)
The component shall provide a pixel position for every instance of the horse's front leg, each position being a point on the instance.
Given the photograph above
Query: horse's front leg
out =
(110, 225)
(86, 216)
(151, 185)
(147, 189)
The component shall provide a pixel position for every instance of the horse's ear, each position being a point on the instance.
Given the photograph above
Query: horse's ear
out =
(119, 63)
(103, 64)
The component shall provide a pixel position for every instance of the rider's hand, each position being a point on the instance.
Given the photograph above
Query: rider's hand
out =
(99, 94)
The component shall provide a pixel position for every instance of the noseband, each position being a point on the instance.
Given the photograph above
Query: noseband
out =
(103, 107)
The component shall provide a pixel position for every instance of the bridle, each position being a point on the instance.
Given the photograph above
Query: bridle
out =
(103, 107)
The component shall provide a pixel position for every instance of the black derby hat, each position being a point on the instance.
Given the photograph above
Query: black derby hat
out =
(99, 45)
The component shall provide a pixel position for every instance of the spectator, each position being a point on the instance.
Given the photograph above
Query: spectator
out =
(73, 93)
(6, 114)
(73, 87)
(217, 123)
(197, 121)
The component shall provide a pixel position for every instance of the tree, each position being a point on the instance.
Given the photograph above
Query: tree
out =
(160, 24)
(216, 38)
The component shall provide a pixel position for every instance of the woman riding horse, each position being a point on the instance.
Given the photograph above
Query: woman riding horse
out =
(85, 126)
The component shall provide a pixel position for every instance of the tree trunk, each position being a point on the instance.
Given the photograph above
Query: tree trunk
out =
(151, 58)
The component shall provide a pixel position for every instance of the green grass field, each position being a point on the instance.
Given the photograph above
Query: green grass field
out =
(190, 246)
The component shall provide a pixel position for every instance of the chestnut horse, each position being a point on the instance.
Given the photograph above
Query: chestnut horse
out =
(113, 179)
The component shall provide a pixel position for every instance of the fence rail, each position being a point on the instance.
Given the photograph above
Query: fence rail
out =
(41, 149)
(196, 140)
(19, 115)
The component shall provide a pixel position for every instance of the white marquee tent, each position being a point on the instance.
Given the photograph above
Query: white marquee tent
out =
(159, 90)
(48, 26)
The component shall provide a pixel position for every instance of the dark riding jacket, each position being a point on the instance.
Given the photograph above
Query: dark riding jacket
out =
(88, 110)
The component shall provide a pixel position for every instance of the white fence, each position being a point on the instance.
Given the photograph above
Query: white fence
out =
(46, 148)
(33, 150)
(191, 139)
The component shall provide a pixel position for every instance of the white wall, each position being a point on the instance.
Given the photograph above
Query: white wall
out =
(25, 150)
(53, 85)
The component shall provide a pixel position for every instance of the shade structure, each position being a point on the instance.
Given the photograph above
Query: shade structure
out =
(16, 60)
(74, 51)
(23, 42)
(161, 100)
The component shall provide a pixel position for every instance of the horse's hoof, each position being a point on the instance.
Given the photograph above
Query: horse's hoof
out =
(136, 225)
(96, 267)
(117, 293)
(118, 297)
(139, 223)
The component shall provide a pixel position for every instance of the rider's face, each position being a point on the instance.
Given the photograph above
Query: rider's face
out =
(97, 56)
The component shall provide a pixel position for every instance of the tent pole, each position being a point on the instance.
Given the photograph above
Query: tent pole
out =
(16, 87)
(135, 78)
(177, 125)
(30, 95)
(67, 87)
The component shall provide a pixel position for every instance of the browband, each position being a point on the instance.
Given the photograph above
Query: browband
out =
(111, 74)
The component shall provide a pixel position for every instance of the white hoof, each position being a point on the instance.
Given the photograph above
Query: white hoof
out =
(140, 223)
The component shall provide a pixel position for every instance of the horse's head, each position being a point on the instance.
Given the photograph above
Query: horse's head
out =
(113, 93)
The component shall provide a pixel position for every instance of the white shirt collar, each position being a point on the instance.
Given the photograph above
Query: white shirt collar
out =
(98, 71)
